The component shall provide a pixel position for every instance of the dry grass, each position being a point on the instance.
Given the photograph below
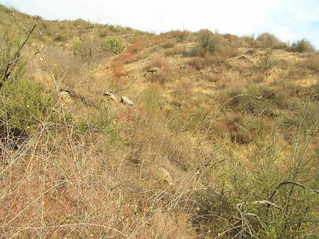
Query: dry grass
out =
(311, 63)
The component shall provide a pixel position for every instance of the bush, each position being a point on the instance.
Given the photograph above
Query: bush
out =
(270, 41)
(255, 100)
(114, 45)
(302, 46)
(209, 43)
(206, 44)
(24, 103)
(268, 196)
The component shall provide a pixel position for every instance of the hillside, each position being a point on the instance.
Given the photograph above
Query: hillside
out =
(110, 132)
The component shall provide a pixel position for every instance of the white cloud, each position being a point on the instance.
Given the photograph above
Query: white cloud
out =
(288, 19)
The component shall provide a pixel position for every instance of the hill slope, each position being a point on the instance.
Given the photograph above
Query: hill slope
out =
(111, 132)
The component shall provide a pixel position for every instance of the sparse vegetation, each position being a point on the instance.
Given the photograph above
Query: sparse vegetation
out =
(222, 143)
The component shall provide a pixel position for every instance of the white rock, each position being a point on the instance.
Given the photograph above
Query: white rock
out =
(126, 101)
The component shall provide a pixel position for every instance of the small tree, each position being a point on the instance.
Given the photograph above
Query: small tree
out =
(303, 46)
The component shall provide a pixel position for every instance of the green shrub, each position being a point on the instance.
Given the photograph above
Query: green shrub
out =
(268, 196)
(114, 45)
(24, 103)
(303, 46)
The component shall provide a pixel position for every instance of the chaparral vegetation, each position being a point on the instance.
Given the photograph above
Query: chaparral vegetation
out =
(111, 132)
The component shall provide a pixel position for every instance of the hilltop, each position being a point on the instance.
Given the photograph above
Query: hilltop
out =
(111, 132)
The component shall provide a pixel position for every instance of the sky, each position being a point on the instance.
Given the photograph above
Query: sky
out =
(289, 20)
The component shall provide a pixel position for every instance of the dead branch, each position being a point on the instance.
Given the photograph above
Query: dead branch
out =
(14, 61)
(293, 183)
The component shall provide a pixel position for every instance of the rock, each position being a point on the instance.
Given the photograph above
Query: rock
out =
(250, 52)
(65, 97)
(126, 101)
(165, 175)
(111, 95)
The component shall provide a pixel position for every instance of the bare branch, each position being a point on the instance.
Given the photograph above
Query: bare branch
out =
(293, 183)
